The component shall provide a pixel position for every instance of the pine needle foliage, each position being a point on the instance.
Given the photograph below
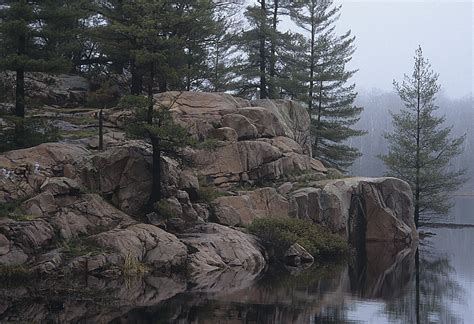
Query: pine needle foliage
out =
(420, 146)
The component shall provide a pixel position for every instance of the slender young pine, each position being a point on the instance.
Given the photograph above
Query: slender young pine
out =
(420, 148)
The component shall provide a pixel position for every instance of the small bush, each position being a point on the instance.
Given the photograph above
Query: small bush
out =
(209, 144)
(27, 132)
(208, 194)
(79, 247)
(14, 272)
(278, 234)
(14, 210)
(133, 102)
(164, 209)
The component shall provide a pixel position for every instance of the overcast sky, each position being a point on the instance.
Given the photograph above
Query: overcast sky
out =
(388, 33)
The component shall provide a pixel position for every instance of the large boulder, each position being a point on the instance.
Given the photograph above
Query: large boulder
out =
(23, 172)
(244, 128)
(215, 247)
(249, 205)
(292, 116)
(199, 112)
(385, 205)
(145, 243)
(121, 173)
(265, 121)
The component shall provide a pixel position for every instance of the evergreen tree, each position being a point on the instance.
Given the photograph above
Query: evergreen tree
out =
(161, 39)
(222, 50)
(420, 148)
(329, 96)
(24, 35)
(263, 45)
(158, 127)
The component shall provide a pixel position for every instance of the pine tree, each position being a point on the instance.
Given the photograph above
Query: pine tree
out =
(329, 96)
(157, 127)
(160, 39)
(222, 50)
(420, 148)
(24, 38)
(263, 45)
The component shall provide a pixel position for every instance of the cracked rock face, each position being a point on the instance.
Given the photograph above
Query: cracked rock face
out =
(215, 247)
(385, 203)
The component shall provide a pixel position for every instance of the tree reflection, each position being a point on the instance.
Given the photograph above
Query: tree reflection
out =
(434, 290)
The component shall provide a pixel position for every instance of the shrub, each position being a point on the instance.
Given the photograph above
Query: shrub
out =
(27, 132)
(14, 272)
(164, 209)
(208, 194)
(278, 234)
(209, 144)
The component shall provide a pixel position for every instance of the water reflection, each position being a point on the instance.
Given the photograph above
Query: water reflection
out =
(387, 284)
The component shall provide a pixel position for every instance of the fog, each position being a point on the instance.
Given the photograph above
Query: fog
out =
(376, 120)
(387, 34)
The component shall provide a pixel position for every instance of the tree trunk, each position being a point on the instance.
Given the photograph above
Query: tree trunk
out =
(156, 171)
(318, 124)
(155, 143)
(20, 81)
(263, 63)
(101, 131)
(150, 94)
(311, 62)
(417, 158)
(20, 93)
(137, 79)
(271, 86)
(417, 284)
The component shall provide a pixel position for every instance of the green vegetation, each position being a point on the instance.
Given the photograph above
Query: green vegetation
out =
(80, 246)
(77, 134)
(14, 273)
(420, 147)
(26, 133)
(278, 234)
(208, 194)
(14, 210)
(156, 125)
(133, 267)
(209, 144)
(163, 209)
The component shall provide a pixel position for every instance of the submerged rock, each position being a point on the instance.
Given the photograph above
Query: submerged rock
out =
(296, 255)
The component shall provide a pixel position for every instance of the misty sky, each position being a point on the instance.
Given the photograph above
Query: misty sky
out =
(388, 32)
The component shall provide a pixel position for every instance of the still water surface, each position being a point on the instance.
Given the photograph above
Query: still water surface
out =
(435, 285)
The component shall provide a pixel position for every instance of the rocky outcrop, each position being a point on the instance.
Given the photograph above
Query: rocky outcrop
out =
(145, 243)
(22, 172)
(383, 205)
(66, 193)
(60, 90)
(248, 205)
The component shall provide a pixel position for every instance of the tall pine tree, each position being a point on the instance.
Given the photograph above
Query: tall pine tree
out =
(25, 38)
(329, 94)
(420, 148)
(263, 45)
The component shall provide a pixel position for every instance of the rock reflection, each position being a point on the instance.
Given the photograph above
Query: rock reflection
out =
(320, 294)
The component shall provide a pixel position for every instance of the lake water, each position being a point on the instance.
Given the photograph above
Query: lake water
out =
(435, 285)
